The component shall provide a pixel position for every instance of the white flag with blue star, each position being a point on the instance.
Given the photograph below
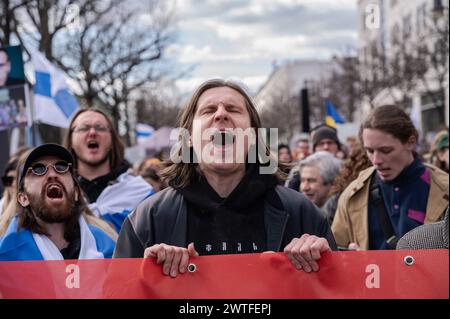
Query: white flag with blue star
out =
(54, 104)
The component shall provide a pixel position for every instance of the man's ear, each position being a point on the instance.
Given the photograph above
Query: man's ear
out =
(412, 143)
(23, 200)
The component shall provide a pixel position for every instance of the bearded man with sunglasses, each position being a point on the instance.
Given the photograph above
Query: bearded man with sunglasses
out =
(52, 220)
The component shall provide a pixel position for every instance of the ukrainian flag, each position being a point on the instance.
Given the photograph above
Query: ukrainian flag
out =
(333, 117)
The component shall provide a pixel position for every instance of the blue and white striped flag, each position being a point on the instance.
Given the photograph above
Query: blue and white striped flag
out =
(21, 244)
(121, 198)
(143, 133)
(54, 104)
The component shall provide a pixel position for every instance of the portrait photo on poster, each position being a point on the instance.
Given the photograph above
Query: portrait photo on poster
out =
(11, 66)
(13, 104)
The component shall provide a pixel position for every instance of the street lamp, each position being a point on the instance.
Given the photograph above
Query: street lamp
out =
(304, 106)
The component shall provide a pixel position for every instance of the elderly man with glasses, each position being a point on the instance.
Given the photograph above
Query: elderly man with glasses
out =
(53, 221)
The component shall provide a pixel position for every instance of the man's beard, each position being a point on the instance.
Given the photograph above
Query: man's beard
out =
(95, 163)
(53, 214)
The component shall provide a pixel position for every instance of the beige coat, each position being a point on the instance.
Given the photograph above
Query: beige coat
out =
(350, 223)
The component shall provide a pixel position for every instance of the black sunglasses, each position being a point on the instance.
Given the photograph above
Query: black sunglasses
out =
(40, 169)
(7, 180)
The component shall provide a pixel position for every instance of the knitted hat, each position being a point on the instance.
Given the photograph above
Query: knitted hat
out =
(442, 142)
(325, 132)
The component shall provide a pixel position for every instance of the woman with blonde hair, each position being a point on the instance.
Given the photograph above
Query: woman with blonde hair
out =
(9, 179)
(9, 200)
(8, 182)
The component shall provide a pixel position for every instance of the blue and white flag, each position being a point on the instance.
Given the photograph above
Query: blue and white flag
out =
(88, 249)
(54, 104)
(22, 244)
(143, 133)
(119, 199)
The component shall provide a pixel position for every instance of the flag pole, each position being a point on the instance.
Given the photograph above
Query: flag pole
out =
(31, 136)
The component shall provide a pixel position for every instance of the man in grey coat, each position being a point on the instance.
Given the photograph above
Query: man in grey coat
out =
(429, 236)
(224, 195)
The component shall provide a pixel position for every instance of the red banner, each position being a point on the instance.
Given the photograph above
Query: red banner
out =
(372, 274)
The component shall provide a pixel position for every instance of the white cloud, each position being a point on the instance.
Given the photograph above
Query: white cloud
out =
(191, 54)
(281, 45)
(187, 86)
(324, 4)
(232, 32)
(254, 82)
(241, 38)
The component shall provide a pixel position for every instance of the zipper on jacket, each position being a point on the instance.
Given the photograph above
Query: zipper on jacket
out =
(282, 230)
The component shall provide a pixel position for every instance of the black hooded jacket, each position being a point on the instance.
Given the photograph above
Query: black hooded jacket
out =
(228, 225)
(163, 217)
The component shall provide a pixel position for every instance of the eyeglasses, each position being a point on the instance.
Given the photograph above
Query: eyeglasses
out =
(83, 128)
(7, 180)
(40, 169)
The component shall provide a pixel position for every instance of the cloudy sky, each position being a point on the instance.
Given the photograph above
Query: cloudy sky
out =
(244, 38)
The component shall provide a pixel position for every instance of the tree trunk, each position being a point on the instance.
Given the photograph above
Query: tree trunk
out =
(45, 44)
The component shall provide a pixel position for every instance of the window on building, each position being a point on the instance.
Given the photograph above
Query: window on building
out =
(437, 5)
(432, 111)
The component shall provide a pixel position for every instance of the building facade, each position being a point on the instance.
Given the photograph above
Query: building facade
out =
(395, 27)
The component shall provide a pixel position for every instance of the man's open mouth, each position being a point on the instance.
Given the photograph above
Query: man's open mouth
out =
(222, 138)
(93, 145)
(54, 191)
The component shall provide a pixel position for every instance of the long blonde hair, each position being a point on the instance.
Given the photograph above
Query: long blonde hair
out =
(13, 162)
(8, 196)
(10, 208)
(8, 214)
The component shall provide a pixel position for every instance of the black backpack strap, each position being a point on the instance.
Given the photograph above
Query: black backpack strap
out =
(376, 198)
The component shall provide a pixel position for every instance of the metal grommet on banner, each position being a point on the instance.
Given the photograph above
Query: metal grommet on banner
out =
(192, 267)
(409, 260)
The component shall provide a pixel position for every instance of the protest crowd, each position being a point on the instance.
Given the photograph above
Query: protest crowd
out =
(83, 199)
(227, 187)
